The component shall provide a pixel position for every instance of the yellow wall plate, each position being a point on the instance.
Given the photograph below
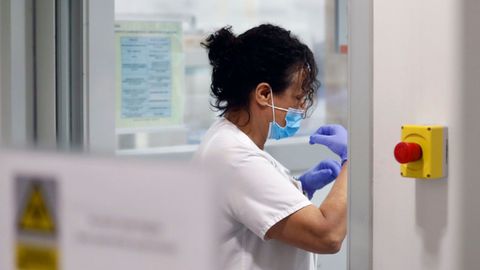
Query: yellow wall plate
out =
(434, 143)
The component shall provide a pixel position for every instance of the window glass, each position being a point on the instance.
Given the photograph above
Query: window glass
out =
(163, 75)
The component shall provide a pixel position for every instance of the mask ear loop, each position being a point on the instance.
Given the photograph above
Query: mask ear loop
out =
(273, 106)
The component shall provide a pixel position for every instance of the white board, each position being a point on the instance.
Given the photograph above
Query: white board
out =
(108, 214)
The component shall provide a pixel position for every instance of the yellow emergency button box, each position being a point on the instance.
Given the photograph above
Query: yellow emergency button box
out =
(423, 151)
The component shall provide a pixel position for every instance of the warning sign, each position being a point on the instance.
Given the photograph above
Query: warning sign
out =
(37, 223)
(36, 216)
(32, 257)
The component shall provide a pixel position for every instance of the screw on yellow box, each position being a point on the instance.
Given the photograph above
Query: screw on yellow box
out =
(433, 140)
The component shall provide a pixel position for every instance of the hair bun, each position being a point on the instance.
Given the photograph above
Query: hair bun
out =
(219, 45)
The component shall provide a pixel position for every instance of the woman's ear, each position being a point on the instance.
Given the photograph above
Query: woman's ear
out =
(263, 94)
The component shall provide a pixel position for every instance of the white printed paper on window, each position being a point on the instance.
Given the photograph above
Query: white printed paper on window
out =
(150, 74)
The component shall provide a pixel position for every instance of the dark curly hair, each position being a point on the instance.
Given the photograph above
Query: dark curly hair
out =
(266, 53)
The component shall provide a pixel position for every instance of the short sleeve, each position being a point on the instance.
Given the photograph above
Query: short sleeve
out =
(259, 195)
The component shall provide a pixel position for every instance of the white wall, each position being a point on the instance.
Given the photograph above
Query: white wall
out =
(426, 70)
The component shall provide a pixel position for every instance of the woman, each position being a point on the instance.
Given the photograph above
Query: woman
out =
(263, 82)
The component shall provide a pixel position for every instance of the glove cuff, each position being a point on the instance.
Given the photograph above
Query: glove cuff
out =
(344, 157)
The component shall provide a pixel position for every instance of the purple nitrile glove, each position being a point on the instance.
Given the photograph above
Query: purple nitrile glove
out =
(335, 137)
(319, 176)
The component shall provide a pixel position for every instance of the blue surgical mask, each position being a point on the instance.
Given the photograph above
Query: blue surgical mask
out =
(293, 119)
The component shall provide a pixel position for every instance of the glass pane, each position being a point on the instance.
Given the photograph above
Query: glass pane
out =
(163, 91)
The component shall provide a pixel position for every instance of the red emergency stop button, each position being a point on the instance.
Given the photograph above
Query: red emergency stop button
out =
(407, 152)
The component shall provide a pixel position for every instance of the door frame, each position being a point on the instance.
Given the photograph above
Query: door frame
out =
(360, 87)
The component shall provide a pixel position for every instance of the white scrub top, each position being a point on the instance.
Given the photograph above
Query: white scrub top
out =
(258, 192)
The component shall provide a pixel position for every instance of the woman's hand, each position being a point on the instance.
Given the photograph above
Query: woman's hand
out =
(319, 176)
(335, 137)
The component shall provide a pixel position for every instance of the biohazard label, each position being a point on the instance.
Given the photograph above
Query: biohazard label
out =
(37, 223)
(36, 216)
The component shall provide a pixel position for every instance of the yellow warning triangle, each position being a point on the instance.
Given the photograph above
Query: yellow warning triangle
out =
(35, 216)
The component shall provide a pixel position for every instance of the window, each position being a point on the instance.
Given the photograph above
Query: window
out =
(163, 75)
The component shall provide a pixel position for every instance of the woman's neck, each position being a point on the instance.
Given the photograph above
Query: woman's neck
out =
(254, 128)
